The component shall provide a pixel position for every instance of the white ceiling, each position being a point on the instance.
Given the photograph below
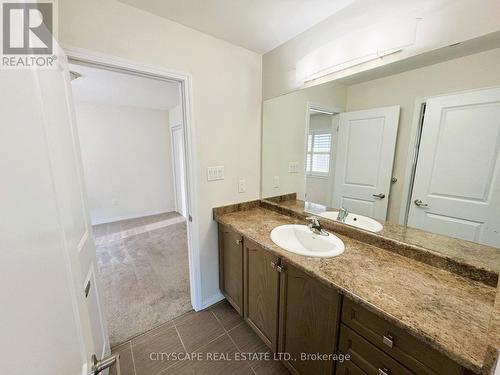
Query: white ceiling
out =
(257, 25)
(109, 87)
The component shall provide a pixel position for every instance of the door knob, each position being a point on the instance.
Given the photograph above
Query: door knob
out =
(379, 196)
(98, 366)
(419, 203)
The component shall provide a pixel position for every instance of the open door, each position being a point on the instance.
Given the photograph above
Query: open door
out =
(51, 317)
(365, 155)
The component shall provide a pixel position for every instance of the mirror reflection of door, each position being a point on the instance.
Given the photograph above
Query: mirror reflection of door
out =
(319, 154)
(457, 179)
(365, 156)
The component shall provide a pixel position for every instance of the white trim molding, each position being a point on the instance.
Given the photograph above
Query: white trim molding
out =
(411, 159)
(334, 111)
(110, 62)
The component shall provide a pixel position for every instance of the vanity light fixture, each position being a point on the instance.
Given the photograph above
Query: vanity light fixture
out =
(358, 47)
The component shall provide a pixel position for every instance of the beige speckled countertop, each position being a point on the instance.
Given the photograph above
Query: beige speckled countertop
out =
(481, 256)
(449, 312)
(480, 261)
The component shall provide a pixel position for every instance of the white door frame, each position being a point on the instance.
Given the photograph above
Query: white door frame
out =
(110, 62)
(411, 160)
(174, 161)
(315, 107)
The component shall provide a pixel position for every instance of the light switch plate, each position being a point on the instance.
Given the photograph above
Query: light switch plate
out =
(293, 167)
(242, 186)
(215, 173)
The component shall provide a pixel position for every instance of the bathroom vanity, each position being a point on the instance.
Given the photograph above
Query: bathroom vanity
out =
(391, 311)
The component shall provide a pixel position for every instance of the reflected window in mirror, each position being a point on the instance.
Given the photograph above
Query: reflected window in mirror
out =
(318, 157)
(318, 152)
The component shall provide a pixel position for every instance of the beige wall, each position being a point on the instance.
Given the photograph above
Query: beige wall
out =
(226, 99)
(126, 159)
(475, 71)
(283, 135)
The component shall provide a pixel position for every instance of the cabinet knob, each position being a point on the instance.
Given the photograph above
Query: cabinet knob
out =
(273, 264)
(239, 241)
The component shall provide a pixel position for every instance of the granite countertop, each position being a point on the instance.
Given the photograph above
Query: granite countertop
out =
(480, 256)
(449, 312)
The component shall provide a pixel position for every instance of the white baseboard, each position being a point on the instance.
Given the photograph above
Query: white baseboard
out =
(212, 300)
(97, 221)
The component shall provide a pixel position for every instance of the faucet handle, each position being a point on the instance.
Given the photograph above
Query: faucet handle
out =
(313, 219)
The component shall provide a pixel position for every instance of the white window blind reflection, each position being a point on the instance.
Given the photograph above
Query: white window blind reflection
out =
(318, 153)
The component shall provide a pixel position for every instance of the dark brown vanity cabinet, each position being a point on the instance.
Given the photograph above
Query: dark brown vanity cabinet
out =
(309, 315)
(289, 310)
(261, 292)
(294, 313)
(231, 267)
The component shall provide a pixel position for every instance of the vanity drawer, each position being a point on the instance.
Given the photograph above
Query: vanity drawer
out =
(400, 345)
(366, 356)
(348, 368)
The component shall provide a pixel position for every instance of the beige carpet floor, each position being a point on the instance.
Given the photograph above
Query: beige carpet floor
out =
(144, 273)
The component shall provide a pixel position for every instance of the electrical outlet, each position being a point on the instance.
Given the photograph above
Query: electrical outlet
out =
(242, 186)
(293, 167)
(276, 180)
(215, 173)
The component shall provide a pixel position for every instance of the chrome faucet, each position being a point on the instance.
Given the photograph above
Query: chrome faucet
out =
(316, 227)
(342, 215)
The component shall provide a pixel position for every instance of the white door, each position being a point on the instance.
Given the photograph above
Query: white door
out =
(365, 154)
(51, 319)
(177, 133)
(457, 180)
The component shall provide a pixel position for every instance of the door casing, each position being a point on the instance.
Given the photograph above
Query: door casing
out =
(109, 62)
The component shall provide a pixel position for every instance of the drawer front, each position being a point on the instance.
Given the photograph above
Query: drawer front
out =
(394, 341)
(348, 368)
(366, 356)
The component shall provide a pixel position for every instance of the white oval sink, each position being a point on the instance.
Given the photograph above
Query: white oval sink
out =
(299, 239)
(358, 221)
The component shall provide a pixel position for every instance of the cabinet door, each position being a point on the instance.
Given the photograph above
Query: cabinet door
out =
(261, 291)
(309, 317)
(231, 267)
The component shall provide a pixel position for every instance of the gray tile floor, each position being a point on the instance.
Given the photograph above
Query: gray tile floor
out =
(144, 273)
(219, 336)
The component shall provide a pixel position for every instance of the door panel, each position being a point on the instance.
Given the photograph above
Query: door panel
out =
(67, 174)
(309, 320)
(364, 139)
(261, 292)
(49, 249)
(231, 267)
(457, 178)
(363, 168)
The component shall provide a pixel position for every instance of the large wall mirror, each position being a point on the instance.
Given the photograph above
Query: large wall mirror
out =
(417, 149)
